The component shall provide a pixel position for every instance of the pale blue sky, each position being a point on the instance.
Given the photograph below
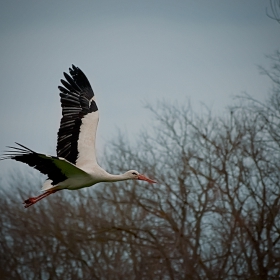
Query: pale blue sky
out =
(132, 52)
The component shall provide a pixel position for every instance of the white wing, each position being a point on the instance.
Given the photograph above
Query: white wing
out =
(77, 132)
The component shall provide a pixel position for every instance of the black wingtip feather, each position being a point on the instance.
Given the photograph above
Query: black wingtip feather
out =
(24, 147)
(16, 152)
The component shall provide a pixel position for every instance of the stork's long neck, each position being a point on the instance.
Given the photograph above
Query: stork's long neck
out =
(116, 178)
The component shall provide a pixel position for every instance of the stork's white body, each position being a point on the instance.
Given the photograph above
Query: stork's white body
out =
(79, 181)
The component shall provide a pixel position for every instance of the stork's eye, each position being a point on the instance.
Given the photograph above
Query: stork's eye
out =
(133, 173)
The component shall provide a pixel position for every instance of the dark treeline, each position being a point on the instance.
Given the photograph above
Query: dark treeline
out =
(214, 214)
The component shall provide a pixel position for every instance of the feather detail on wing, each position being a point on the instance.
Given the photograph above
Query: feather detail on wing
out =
(77, 132)
(57, 169)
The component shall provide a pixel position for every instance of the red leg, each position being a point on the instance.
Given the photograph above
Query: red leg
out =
(32, 200)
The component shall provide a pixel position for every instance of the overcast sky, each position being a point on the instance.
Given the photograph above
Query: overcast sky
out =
(132, 52)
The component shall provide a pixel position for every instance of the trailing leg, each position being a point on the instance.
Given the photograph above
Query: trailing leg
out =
(32, 200)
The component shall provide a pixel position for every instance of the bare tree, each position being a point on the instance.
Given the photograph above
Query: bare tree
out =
(214, 213)
(274, 10)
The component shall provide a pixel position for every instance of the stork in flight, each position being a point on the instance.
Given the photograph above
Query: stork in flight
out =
(75, 165)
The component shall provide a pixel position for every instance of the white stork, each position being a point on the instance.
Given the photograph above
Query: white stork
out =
(75, 165)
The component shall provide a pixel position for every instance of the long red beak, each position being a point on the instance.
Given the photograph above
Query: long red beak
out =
(142, 177)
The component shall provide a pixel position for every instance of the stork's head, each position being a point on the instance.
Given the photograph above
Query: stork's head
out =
(133, 174)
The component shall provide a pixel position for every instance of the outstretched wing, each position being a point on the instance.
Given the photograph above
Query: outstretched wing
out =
(77, 132)
(57, 169)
